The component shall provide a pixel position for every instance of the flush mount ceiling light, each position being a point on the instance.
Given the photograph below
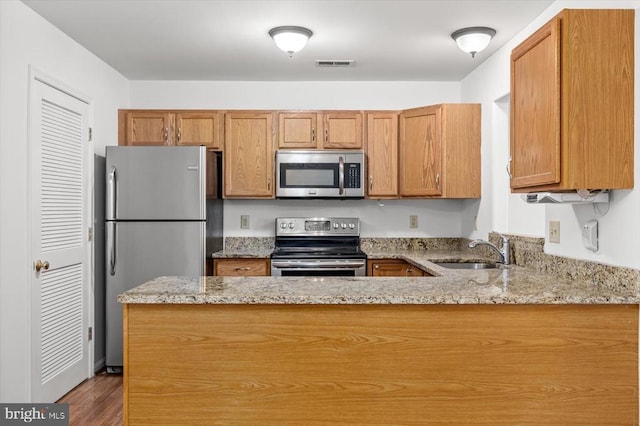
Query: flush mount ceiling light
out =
(290, 38)
(473, 39)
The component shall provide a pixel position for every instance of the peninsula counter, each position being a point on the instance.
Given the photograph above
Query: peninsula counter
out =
(502, 346)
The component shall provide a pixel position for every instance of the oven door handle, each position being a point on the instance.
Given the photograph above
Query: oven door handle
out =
(317, 265)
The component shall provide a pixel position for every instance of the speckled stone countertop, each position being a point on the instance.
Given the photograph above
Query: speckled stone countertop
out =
(239, 253)
(504, 285)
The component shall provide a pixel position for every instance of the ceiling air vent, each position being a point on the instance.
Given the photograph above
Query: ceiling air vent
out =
(334, 62)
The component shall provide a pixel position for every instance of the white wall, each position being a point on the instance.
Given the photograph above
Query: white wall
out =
(291, 94)
(385, 218)
(27, 39)
(501, 211)
(436, 217)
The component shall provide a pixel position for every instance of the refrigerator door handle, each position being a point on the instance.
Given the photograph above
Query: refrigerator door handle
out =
(112, 193)
(111, 247)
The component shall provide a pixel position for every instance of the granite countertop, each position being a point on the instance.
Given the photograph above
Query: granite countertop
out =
(248, 253)
(504, 285)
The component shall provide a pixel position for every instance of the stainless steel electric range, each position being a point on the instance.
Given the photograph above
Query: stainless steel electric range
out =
(318, 246)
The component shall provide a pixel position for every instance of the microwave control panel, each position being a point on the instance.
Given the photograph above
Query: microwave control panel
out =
(352, 175)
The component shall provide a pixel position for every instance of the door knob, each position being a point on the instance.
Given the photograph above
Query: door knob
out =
(39, 264)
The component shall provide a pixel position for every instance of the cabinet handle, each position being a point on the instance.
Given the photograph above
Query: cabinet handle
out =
(326, 135)
(438, 181)
(179, 134)
(508, 167)
(244, 268)
(377, 266)
(370, 182)
(313, 135)
(409, 270)
(269, 183)
(166, 136)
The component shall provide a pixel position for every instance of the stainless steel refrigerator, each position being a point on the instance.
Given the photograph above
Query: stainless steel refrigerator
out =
(162, 209)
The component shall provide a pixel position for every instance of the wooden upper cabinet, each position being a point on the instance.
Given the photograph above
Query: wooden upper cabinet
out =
(298, 130)
(420, 152)
(342, 130)
(200, 128)
(382, 154)
(248, 154)
(153, 127)
(148, 128)
(439, 151)
(572, 103)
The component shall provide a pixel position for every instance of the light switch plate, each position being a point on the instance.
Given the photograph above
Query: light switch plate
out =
(590, 235)
(244, 221)
(554, 231)
(413, 221)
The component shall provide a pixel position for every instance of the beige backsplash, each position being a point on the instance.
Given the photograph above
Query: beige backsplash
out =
(529, 252)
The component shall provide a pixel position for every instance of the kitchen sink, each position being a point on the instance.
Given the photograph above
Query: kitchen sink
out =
(467, 265)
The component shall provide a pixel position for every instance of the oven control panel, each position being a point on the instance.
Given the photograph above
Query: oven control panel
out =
(293, 226)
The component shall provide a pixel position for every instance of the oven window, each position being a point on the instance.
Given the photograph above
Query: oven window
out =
(310, 175)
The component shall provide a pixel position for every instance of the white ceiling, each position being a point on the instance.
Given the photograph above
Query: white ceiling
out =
(228, 40)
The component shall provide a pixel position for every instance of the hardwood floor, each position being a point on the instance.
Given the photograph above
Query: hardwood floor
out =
(96, 401)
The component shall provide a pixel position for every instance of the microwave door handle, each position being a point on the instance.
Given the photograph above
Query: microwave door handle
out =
(340, 176)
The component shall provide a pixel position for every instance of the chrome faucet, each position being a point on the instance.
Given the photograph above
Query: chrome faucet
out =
(503, 253)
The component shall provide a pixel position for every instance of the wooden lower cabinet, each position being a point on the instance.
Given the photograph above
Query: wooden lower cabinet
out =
(241, 267)
(393, 268)
(380, 364)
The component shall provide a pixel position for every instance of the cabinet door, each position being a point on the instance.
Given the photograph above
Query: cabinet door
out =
(297, 130)
(199, 128)
(248, 155)
(342, 130)
(535, 109)
(393, 268)
(241, 267)
(420, 168)
(382, 155)
(387, 268)
(147, 128)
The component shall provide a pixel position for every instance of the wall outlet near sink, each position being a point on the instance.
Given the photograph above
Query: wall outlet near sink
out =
(413, 221)
(244, 221)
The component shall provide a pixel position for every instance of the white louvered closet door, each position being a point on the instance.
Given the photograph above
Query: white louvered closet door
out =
(60, 210)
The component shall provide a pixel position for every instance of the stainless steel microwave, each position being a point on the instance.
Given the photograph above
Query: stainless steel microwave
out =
(320, 174)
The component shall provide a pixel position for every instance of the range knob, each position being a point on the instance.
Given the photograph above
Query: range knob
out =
(352, 226)
(335, 225)
(283, 225)
(291, 225)
(344, 226)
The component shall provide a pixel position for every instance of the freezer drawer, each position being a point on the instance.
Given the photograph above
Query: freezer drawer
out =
(137, 252)
(155, 183)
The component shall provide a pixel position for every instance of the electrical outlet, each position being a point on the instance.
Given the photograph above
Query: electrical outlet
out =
(244, 221)
(554, 231)
(413, 221)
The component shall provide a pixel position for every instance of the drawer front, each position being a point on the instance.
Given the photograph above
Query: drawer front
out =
(241, 267)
